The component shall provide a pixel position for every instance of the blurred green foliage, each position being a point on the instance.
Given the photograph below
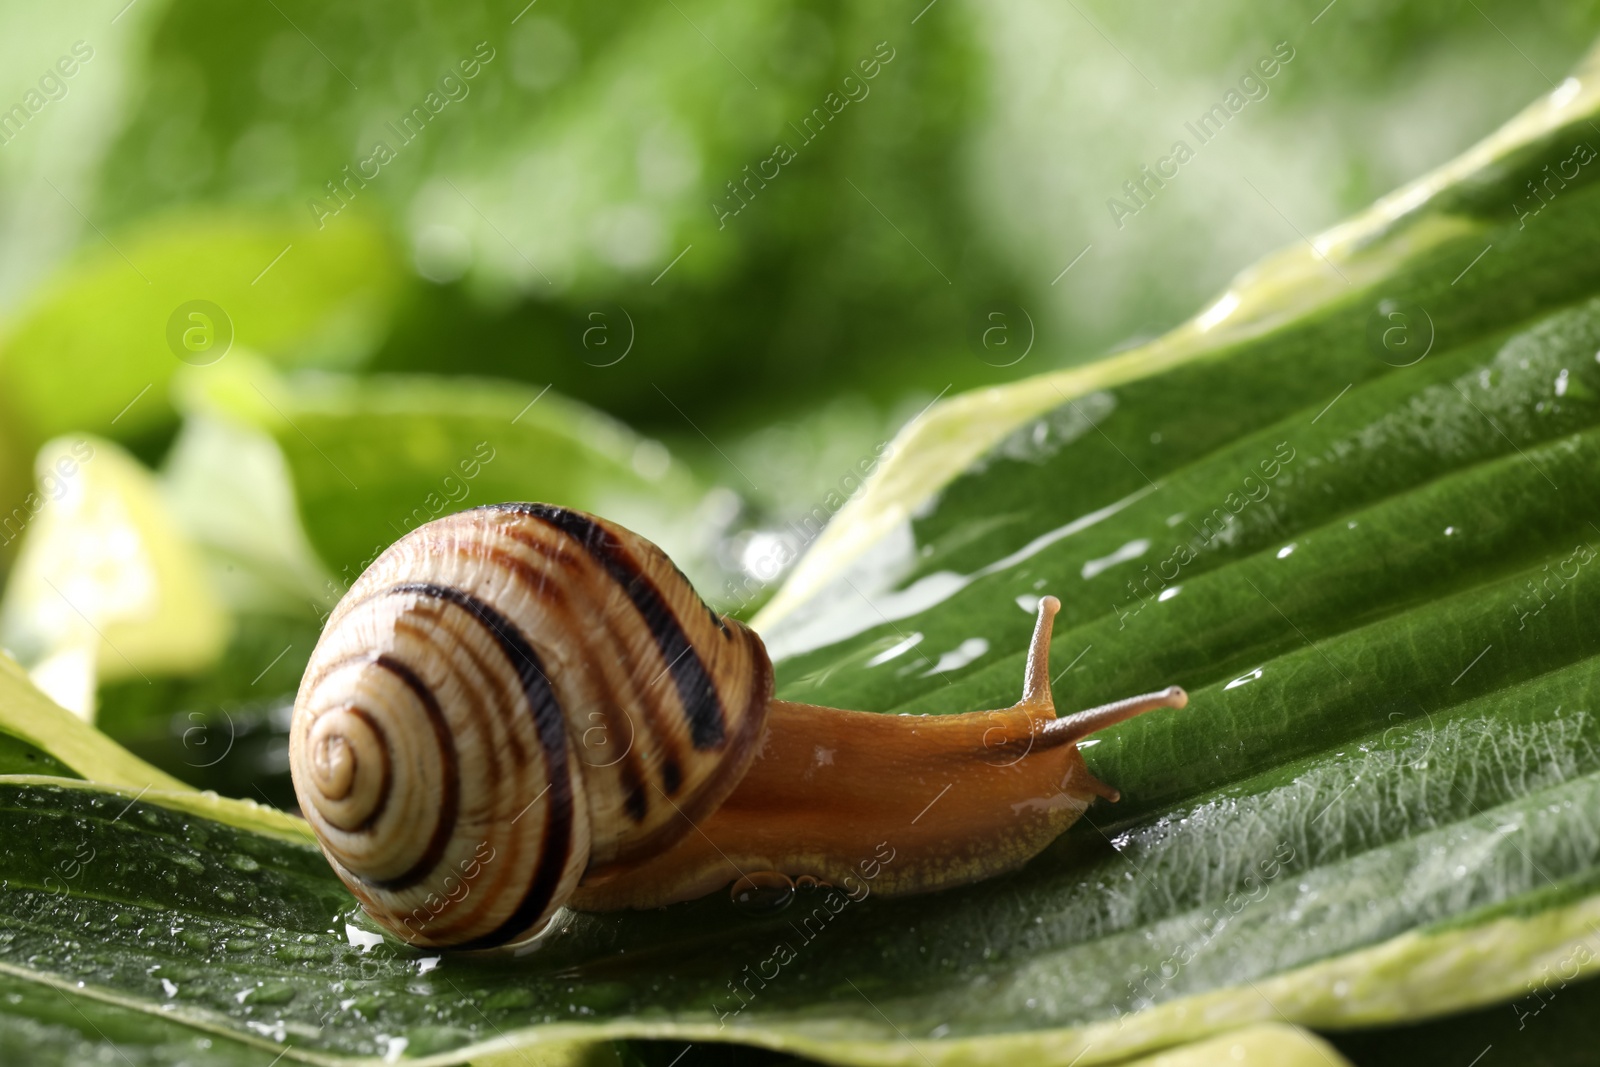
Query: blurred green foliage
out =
(584, 157)
(595, 145)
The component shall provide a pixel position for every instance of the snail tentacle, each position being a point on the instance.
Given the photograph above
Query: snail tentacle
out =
(1036, 676)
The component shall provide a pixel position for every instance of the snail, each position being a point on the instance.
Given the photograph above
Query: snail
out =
(521, 706)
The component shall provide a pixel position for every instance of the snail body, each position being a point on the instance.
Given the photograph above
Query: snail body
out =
(520, 707)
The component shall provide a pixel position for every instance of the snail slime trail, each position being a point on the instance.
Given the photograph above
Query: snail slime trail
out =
(438, 743)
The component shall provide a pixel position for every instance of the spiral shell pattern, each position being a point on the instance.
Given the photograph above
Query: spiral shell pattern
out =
(509, 701)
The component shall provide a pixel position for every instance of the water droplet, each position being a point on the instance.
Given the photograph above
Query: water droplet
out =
(240, 862)
(806, 881)
(601, 996)
(427, 1040)
(274, 992)
(361, 939)
(762, 893)
(1243, 679)
(298, 953)
(367, 1006)
(508, 999)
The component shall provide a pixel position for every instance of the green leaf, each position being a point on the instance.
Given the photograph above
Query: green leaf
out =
(132, 895)
(1289, 333)
(374, 458)
(44, 1026)
(62, 370)
(1378, 582)
(232, 492)
(31, 722)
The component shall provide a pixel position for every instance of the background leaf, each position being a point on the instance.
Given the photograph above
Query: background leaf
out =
(330, 309)
(411, 449)
(105, 585)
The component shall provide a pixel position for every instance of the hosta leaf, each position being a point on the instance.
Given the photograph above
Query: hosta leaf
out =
(1289, 333)
(138, 905)
(43, 1027)
(1378, 583)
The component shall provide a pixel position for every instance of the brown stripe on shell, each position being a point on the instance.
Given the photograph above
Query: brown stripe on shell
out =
(702, 703)
(388, 771)
(536, 583)
(687, 813)
(550, 724)
(745, 686)
(489, 689)
(580, 572)
(479, 709)
(449, 646)
(450, 783)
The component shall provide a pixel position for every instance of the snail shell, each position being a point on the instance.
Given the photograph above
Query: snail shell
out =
(509, 700)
